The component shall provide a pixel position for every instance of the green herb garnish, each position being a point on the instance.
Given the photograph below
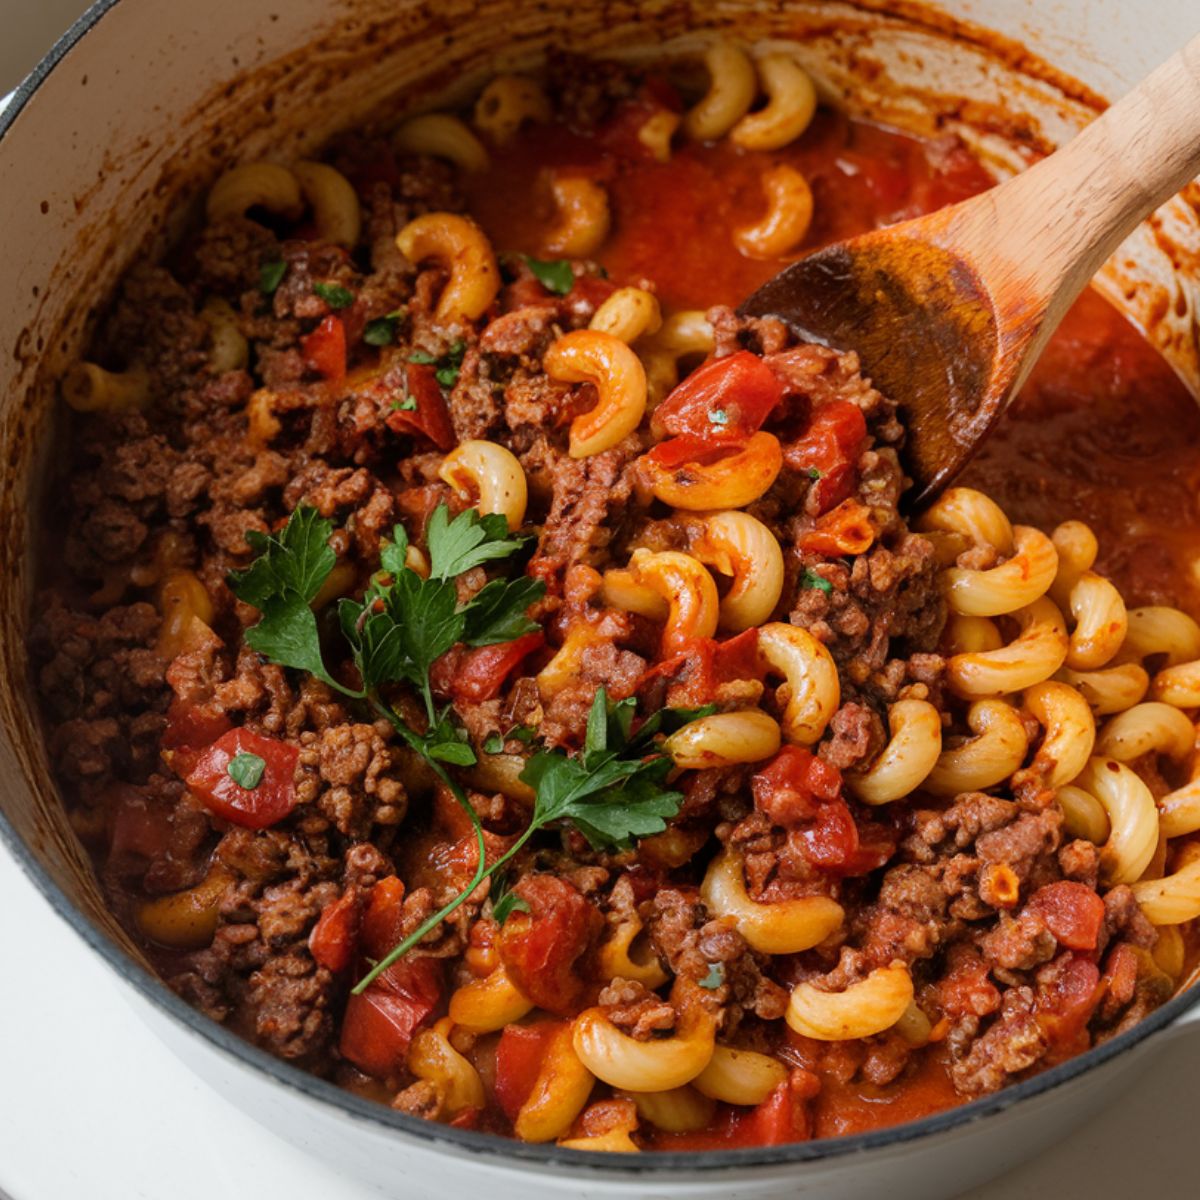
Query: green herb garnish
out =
(815, 473)
(448, 365)
(493, 744)
(612, 792)
(246, 770)
(812, 580)
(715, 976)
(381, 331)
(718, 416)
(334, 294)
(555, 275)
(270, 276)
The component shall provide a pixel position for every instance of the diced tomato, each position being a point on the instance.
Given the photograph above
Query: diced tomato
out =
(847, 529)
(191, 727)
(479, 674)
(828, 450)
(431, 416)
(540, 948)
(269, 801)
(804, 794)
(467, 1118)
(379, 1024)
(139, 827)
(725, 399)
(781, 1118)
(334, 938)
(697, 673)
(382, 921)
(519, 1058)
(965, 989)
(324, 349)
(1121, 974)
(1072, 912)
(1066, 1005)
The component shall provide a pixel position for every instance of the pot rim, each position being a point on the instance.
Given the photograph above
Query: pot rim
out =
(482, 1145)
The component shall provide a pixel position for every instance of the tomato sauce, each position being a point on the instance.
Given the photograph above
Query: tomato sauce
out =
(1103, 431)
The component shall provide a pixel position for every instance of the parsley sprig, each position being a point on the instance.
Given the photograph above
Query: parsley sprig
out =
(613, 792)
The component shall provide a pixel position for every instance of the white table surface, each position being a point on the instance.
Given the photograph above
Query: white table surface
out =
(93, 1106)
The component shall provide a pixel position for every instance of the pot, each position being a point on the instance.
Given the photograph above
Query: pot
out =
(103, 153)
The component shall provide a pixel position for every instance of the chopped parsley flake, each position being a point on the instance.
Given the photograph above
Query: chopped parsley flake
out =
(815, 473)
(813, 580)
(493, 744)
(555, 275)
(246, 770)
(382, 330)
(718, 416)
(334, 294)
(270, 276)
(715, 976)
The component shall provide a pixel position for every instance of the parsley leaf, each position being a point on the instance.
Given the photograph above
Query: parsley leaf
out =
(270, 276)
(555, 275)
(609, 798)
(497, 612)
(448, 366)
(715, 976)
(281, 583)
(468, 541)
(381, 331)
(246, 770)
(812, 580)
(334, 294)
(504, 900)
(448, 743)
(815, 473)
(493, 744)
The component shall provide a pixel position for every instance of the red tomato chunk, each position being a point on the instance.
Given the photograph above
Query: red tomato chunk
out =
(254, 808)
(724, 400)
(804, 794)
(334, 938)
(379, 1024)
(519, 1058)
(540, 948)
(324, 349)
(1072, 912)
(430, 417)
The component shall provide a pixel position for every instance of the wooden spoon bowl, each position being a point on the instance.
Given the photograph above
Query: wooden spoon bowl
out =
(948, 313)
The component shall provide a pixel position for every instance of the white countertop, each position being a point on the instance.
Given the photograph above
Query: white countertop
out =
(93, 1106)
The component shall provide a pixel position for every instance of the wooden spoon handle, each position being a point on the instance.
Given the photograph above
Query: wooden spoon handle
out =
(1050, 228)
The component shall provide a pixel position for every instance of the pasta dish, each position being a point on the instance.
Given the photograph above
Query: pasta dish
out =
(492, 674)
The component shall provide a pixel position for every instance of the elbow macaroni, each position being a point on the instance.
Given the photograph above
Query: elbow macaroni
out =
(993, 754)
(723, 739)
(464, 251)
(780, 927)
(741, 546)
(490, 476)
(687, 588)
(588, 356)
(1132, 815)
(507, 103)
(791, 103)
(439, 135)
(785, 224)
(811, 690)
(583, 216)
(733, 84)
(862, 1010)
(911, 754)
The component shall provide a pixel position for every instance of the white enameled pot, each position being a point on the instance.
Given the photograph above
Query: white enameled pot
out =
(102, 155)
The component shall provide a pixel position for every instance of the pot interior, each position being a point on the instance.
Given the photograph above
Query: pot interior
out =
(105, 158)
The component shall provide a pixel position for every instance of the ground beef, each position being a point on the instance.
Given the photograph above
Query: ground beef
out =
(640, 1013)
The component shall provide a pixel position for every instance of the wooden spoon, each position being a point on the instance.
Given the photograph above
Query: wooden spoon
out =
(948, 313)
